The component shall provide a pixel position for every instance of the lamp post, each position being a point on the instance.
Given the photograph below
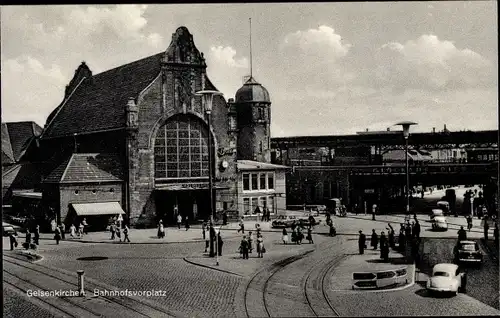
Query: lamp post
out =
(406, 133)
(208, 96)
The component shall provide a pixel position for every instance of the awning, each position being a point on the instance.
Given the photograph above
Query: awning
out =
(32, 195)
(101, 208)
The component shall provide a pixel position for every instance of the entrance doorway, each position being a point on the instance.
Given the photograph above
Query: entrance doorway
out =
(191, 203)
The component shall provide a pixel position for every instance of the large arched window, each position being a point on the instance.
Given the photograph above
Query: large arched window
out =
(181, 149)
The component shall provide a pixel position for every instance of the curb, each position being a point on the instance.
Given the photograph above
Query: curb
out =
(211, 267)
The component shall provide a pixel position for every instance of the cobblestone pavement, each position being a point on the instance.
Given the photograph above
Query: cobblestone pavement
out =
(17, 305)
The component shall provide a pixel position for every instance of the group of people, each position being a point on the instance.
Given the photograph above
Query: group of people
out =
(246, 244)
(208, 232)
(265, 214)
(116, 231)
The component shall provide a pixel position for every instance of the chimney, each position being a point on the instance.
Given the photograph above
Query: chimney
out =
(366, 129)
(388, 128)
(433, 130)
(444, 127)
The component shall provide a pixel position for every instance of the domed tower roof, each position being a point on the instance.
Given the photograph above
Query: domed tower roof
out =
(252, 91)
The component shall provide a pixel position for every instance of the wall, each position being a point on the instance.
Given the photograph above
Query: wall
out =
(85, 195)
(278, 192)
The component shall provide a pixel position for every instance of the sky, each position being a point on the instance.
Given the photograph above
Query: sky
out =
(330, 68)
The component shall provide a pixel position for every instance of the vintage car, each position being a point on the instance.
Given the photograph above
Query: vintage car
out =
(444, 206)
(282, 221)
(467, 252)
(446, 278)
(8, 229)
(439, 223)
(436, 212)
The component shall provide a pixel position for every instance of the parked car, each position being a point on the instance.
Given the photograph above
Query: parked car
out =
(8, 229)
(467, 252)
(436, 212)
(282, 221)
(444, 206)
(446, 278)
(439, 223)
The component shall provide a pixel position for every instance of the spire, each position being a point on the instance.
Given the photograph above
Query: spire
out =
(250, 19)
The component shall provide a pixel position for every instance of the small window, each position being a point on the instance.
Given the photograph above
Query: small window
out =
(262, 182)
(94, 191)
(270, 180)
(255, 186)
(246, 206)
(77, 192)
(112, 190)
(246, 182)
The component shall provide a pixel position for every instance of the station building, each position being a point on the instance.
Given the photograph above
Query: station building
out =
(134, 140)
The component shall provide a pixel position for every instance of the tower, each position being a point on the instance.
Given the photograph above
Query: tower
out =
(253, 114)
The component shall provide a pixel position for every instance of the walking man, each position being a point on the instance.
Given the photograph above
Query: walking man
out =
(416, 229)
(220, 242)
(57, 235)
(186, 219)
(469, 222)
(244, 247)
(63, 231)
(361, 242)
(486, 228)
(112, 229)
(309, 236)
(374, 211)
(125, 233)
(36, 238)
(374, 240)
(242, 226)
(85, 226)
(13, 241)
(28, 239)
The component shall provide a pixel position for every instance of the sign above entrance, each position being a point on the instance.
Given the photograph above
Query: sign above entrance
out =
(185, 186)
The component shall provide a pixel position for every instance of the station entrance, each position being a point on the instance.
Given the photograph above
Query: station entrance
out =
(191, 203)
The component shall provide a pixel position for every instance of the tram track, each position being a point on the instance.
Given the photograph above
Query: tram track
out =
(74, 304)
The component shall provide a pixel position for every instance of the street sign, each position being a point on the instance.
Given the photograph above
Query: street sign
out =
(369, 190)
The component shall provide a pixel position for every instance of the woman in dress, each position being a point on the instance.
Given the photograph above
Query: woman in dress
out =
(161, 230)
(260, 246)
(72, 230)
(285, 236)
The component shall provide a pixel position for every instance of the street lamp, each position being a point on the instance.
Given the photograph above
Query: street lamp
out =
(406, 133)
(208, 97)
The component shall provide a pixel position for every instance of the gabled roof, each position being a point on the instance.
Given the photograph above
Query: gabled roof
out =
(99, 102)
(16, 137)
(256, 165)
(87, 167)
(21, 177)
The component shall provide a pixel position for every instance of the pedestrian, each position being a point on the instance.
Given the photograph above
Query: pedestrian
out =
(72, 231)
(356, 210)
(462, 235)
(36, 237)
(486, 228)
(260, 246)
(13, 241)
(416, 229)
(408, 230)
(224, 218)
(469, 222)
(186, 220)
(361, 242)
(112, 229)
(384, 247)
(374, 211)
(206, 237)
(268, 214)
(119, 232)
(402, 239)
(300, 236)
(80, 230)
(285, 236)
(390, 230)
(161, 230)
(309, 236)
(125, 234)
(63, 231)
(220, 243)
(333, 231)
(179, 221)
(250, 242)
(294, 236)
(495, 235)
(374, 240)
(212, 240)
(28, 239)
(85, 226)
(203, 227)
(242, 226)
(244, 247)
(57, 235)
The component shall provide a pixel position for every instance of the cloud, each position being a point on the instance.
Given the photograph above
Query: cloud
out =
(38, 89)
(225, 69)
(226, 55)
(431, 63)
